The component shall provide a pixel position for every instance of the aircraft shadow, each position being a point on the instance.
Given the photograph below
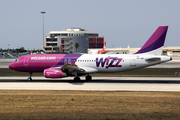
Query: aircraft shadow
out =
(93, 81)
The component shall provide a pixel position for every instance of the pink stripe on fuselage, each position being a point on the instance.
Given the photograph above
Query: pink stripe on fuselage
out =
(37, 62)
(41, 62)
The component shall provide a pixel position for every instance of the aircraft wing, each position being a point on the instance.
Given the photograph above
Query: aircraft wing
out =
(74, 68)
(89, 69)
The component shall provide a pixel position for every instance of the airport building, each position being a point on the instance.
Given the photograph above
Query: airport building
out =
(117, 50)
(73, 40)
(170, 51)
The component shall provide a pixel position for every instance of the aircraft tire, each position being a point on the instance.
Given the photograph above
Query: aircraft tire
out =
(29, 79)
(77, 79)
(88, 78)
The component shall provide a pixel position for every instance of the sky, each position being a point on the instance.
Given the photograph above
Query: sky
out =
(120, 22)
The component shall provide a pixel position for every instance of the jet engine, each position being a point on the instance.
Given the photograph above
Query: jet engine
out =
(54, 73)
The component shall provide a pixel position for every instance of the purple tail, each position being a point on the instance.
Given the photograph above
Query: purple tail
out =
(155, 42)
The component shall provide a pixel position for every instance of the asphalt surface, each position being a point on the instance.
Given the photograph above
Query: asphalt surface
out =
(98, 83)
(4, 63)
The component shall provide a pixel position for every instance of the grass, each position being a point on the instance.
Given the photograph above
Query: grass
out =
(88, 105)
(91, 105)
(144, 72)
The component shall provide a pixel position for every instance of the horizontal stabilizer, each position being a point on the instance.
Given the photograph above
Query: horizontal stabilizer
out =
(153, 59)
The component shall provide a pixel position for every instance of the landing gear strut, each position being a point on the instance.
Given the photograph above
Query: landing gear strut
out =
(76, 78)
(29, 78)
(88, 77)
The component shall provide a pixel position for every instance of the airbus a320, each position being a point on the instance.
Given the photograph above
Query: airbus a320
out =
(65, 65)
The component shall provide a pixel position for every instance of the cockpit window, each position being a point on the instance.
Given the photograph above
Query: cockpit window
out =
(17, 60)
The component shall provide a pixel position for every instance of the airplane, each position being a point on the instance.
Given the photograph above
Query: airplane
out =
(103, 51)
(65, 65)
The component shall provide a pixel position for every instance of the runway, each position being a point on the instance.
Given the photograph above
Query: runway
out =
(4, 63)
(98, 84)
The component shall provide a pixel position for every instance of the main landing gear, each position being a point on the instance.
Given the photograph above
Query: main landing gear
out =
(88, 78)
(77, 78)
(29, 78)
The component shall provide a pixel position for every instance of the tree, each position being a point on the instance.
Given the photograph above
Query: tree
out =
(76, 45)
(21, 50)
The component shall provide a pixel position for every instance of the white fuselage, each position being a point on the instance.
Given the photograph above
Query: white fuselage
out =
(117, 62)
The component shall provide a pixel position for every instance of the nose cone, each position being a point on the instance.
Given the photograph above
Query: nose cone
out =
(11, 66)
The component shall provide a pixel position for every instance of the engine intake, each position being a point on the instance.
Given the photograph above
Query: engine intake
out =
(54, 73)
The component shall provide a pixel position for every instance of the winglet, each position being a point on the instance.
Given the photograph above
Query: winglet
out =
(155, 43)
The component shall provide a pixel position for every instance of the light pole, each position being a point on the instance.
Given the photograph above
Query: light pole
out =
(43, 27)
(8, 47)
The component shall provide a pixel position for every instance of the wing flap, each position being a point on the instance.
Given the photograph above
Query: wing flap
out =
(71, 67)
(89, 69)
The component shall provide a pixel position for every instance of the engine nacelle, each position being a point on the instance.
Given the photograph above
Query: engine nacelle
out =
(54, 73)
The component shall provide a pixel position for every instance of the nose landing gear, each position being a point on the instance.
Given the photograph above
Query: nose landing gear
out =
(29, 78)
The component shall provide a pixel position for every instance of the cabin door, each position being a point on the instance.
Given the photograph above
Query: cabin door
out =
(133, 61)
(26, 61)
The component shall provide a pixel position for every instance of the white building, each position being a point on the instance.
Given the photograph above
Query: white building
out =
(65, 41)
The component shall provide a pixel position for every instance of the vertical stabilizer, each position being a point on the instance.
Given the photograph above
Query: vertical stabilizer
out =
(104, 47)
(155, 43)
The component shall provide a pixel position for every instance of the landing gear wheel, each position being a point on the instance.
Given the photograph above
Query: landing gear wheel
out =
(77, 79)
(88, 78)
(29, 79)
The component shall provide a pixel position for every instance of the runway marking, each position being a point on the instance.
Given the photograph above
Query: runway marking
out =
(97, 84)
